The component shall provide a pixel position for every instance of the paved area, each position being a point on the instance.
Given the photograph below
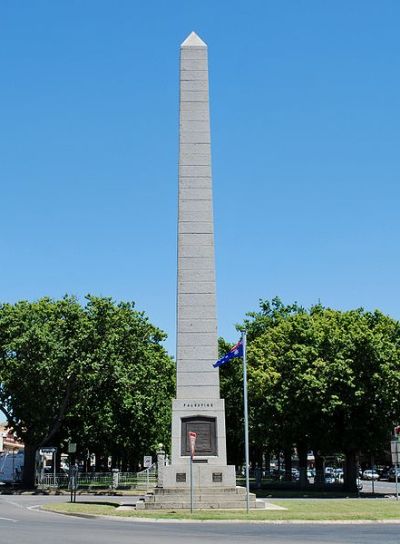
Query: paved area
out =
(23, 523)
(384, 487)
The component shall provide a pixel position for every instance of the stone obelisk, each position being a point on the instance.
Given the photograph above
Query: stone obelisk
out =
(198, 406)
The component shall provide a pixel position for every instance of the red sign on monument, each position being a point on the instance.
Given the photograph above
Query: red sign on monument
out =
(192, 440)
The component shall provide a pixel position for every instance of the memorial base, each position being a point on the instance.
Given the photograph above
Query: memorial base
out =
(204, 476)
(221, 498)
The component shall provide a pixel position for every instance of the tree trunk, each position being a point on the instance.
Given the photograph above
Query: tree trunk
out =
(267, 462)
(58, 460)
(351, 471)
(28, 475)
(256, 456)
(302, 453)
(319, 470)
(288, 464)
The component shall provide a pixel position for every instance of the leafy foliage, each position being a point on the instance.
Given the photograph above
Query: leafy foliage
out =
(320, 379)
(96, 373)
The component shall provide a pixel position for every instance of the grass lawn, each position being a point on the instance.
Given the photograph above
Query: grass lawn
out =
(297, 509)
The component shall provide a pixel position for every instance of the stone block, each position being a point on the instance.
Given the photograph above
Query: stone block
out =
(216, 405)
(194, 86)
(198, 404)
(194, 106)
(196, 378)
(189, 65)
(189, 215)
(192, 75)
(196, 312)
(203, 194)
(195, 227)
(189, 115)
(197, 325)
(202, 392)
(194, 137)
(194, 53)
(196, 275)
(199, 365)
(195, 171)
(196, 299)
(196, 239)
(195, 263)
(194, 159)
(196, 286)
(201, 149)
(194, 96)
(196, 251)
(194, 183)
(195, 205)
(197, 338)
(195, 124)
(198, 353)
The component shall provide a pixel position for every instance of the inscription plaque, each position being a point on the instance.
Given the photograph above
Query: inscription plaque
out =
(206, 441)
(181, 476)
(217, 477)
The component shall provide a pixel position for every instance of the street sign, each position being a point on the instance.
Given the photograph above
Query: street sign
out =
(72, 447)
(395, 450)
(147, 461)
(47, 451)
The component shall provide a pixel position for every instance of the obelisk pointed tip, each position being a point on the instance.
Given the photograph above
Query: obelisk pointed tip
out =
(193, 40)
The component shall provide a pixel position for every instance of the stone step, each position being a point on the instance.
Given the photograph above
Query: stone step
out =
(201, 502)
(203, 498)
(200, 490)
(206, 497)
(196, 506)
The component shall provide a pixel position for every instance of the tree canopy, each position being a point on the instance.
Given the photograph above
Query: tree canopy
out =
(321, 379)
(97, 374)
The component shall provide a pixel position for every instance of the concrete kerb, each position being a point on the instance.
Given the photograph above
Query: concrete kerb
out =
(221, 521)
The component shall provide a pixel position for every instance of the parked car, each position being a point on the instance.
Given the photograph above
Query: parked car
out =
(392, 474)
(370, 475)
(278, 474)
(329, 479)
(385, 473)
(339, 475)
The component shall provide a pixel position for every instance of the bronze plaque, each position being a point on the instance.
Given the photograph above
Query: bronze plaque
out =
(181, 476)
(206, 441)
(217, 477)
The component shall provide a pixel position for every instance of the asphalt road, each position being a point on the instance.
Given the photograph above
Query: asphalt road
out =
(22, 523)
(383, 487)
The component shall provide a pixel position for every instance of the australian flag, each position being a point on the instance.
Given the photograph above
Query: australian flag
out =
(236, 351)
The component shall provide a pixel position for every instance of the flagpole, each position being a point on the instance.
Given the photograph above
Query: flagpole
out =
(246, 421)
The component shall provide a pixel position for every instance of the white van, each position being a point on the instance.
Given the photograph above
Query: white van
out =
(11, 466)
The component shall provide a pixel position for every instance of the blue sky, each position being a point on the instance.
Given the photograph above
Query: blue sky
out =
(305, 107)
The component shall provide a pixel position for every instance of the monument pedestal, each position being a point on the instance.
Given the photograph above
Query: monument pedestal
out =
(204, 498)
(205, 476)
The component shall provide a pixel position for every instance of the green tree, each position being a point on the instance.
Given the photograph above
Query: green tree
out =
(83, 372)
(126, 409)
(231, 380)
(323, 379)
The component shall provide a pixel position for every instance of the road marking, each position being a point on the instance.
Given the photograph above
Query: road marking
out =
(11, 502)
(9, 519)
